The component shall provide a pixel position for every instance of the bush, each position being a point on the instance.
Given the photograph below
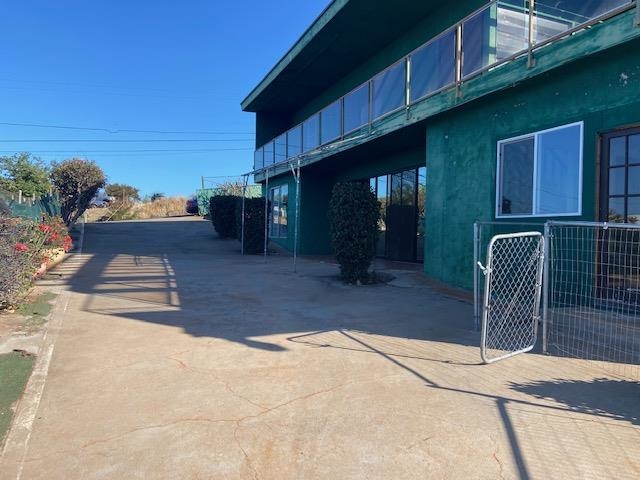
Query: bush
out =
(253, 223)
(223, 215)
(353, 223)
(21, 250)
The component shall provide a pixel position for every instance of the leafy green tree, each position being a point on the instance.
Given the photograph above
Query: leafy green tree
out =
(77, 181)
(122, 193)
(25, 172)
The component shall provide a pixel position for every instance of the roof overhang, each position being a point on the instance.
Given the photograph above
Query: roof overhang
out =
(347, 33)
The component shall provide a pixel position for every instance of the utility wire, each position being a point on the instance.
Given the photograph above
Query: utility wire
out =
(132, 141)
(137, 151)
(124, 130)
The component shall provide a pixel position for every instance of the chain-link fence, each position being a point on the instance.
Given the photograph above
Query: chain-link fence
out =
(204, 195)
(483, 232)
(512, 301)
(32, 207)
(592, 294)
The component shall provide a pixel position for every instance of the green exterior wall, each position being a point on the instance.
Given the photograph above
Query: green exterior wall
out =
(601, 90)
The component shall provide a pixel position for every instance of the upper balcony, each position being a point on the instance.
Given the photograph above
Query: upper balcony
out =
(502, 32)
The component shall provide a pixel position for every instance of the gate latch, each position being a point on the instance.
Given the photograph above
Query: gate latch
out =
(485, 270)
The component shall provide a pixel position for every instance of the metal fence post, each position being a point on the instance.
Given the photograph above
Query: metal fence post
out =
(546, 279)
(476, 259)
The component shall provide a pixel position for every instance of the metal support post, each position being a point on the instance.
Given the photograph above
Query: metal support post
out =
(266, 212)
(546, 280)
(476, 286)
(458, 61)
(531, 62)
(244, 194)
(296, 175)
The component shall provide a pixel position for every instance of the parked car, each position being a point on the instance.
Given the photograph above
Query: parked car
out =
(192, 206)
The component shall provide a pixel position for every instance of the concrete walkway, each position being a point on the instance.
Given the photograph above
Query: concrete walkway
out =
(173, 357)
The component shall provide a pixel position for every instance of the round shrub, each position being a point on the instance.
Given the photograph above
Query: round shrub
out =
(223, 215)
(253, 224)
(353, 223)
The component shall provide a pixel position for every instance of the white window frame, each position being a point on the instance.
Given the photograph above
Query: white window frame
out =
(534, 199)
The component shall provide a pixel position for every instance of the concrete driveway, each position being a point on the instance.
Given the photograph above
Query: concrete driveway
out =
(171, 356)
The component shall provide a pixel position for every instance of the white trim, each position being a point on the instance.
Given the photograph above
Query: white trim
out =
(535, 200)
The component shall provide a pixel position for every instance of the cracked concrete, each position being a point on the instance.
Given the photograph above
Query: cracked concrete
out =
(178, 358)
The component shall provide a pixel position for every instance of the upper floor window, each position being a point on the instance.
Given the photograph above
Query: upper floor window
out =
(540, 174)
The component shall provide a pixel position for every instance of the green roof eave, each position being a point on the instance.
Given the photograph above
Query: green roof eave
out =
(323, 19)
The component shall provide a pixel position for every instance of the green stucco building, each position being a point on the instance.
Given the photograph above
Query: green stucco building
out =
(511, 111)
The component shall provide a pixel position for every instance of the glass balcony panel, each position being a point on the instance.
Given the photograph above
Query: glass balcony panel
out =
(330, 124)
(356, 108)
(495, 33)
(311, 133)
(512, 28)
(268, 153)
(433, 66)
(258, 160)
(552, 17)
(280, 149)
(389, 90)
(294, 142)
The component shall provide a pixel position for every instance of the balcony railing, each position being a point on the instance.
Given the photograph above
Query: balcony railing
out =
(495, 34)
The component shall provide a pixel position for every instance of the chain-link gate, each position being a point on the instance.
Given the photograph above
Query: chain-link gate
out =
(512, 295)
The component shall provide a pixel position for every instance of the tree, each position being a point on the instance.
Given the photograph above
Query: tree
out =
(230, 188)
(25, 172)
(156, 196)
(77, 181)
(122, 193)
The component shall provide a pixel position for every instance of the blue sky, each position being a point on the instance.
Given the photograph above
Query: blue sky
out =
(157, 66)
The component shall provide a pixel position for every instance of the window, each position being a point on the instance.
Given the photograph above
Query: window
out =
(541, 174)
(279, 198)
(389, 88)
(356, 108)
(330, 127)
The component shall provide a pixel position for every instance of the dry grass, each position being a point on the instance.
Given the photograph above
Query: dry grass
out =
(161, 208)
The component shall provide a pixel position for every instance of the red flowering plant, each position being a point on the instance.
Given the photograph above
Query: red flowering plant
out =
(21, 246)
(55, 233)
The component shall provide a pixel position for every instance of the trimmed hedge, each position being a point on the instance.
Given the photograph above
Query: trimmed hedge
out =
(223, 215)
(353, 223)
(253, 224)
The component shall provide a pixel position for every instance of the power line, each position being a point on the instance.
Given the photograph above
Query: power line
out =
(131, 141)
(123, 130)
(160, 150)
